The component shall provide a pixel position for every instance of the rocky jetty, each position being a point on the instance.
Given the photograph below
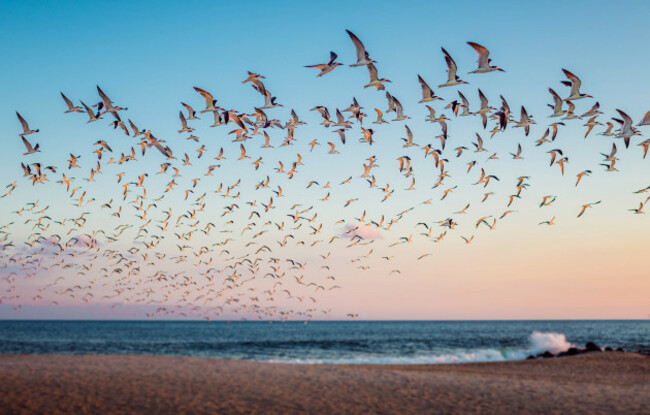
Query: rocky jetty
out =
(590, 347)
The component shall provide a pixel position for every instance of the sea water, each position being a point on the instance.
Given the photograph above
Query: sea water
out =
(335, 342)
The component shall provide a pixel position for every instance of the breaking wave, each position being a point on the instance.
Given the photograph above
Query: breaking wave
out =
(538, 342)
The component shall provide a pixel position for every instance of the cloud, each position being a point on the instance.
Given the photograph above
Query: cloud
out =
(366, 232)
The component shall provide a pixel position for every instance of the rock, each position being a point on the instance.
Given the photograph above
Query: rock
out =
(571, 352)
(608, 349)
(530, 357)
(620, 349)
(592, 347)
(547, 354)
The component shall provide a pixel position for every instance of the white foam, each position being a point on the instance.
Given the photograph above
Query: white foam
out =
(553, 342)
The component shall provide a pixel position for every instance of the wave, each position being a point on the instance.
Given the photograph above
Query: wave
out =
(538, 342)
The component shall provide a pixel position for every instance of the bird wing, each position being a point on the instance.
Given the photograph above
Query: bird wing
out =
(333, 57)
(27, 145)
(451, 65)
(556, 98)
(627, 121)
(209, 99)
(465, 101)
(67, 101)
(483, 54)
(427, 92)
(372, 70)
(23, 122)
(320, 67)
(575, 82)
(484, 100)
(107, 102)
(189, 109)
(361, 50)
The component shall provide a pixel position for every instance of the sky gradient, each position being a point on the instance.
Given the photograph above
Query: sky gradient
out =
(149, 56)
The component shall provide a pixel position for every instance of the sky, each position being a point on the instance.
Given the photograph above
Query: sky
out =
(148, 56)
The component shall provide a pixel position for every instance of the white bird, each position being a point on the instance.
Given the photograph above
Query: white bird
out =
(70, 105)
(328, 67)
(427, 93)
(26, 129)
(452, 78)
(375, 81)
(209, 100)
(483, 59)
(30, 149)
(574, 82)
(362, 55)
(627, 128)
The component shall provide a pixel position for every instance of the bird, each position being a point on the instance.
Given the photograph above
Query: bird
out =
(557, 104)
(485, 108)
(328, 67)
(191, 114)
(525, 121)
(408, 141)
(483, 59)
(363, 58)
(184, 127)
(91, 115)
(210, 102)
(591, 123)
(30, 149)
(645, 120)
(587, 206)
(517, 156)
(71, 107)
(427, 93)
(26, 129)
(627, 128)
(380, 119)
(107, 103)
(375, 81)
(638, 210)
(549, 222)
(581, 175)
(332, 148)
(452, 78)
(575, 83)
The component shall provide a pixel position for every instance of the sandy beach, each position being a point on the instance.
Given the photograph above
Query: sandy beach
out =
(599, 383)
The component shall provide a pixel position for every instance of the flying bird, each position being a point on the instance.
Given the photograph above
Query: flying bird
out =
(483, 59)
(328, 67)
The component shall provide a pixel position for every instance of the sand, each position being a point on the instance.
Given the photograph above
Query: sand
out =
(599, 383)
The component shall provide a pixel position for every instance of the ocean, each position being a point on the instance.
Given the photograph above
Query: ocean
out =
(333, 342)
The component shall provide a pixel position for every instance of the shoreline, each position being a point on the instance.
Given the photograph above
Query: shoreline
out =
(608, 382)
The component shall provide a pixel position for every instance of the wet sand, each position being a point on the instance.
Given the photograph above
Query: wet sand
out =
(599, 383)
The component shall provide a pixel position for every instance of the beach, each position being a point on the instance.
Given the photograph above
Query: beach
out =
(594, 383)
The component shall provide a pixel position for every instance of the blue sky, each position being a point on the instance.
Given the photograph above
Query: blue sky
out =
(149, 55)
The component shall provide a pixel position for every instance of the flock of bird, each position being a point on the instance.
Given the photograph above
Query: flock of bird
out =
(173, 244)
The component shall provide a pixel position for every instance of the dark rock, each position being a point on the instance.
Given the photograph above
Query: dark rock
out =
(530, 357)
(571, 352)
(547, 354)
(608, 349)
(592, 347)
(620, 349)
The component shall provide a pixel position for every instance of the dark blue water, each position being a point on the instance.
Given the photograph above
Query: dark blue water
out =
(322, 342)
